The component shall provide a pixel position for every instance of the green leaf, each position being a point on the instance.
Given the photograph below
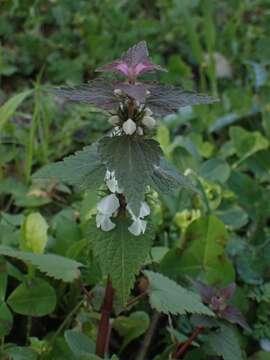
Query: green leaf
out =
(34, 234)
(131, 327)
(36, 298)
(168, 297)
(224, 343)
(79, 343)
(215, 170)
(21, 353)
(9, 108)
(246, 142)
(58, 267)
(120, 254)
(166, 178)
(135, 169)
(83, 169)
(260, 355)
(204, 254)
(6, 320)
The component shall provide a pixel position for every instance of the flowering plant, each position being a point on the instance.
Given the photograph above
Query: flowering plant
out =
(126, 166)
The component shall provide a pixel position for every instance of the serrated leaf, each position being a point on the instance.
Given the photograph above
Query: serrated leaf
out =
(120, 254)
(166, 178)
(135, 169)
(98, 92)
(224, 343)
(52, 265)
(34, 233)
(83, 169)
(37, 298)
(167, 296)
(164, 99)
(79, 343)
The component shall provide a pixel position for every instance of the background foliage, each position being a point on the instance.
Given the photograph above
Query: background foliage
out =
(221, 235)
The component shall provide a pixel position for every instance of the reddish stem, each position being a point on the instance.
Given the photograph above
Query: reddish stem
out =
(183, 348)
(104, 325)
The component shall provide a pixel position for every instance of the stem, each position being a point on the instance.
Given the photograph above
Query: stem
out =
(137, 298)
(183, 348)
(148, 337)
(104, 325)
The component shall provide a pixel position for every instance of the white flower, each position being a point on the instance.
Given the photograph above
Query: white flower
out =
(129, 127)
(112, 183)
(144, 210)
(138, 227)
(149, 122)
(139, 130)
(114, 120)
(148, 112)
(108, 205)
(104, 222)
(118, 92)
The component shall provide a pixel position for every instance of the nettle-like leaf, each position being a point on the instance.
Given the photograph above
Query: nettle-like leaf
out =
(224, 343)
(133, 159)
(52, 265)
(98, 92)
(120, 254)
(166, 178)
(167, 296)
(164, 99)
(83, 169)
(134, 62)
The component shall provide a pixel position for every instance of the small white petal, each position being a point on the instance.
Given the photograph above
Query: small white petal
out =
(137, 227)
(118, 92)
(139, 130)
(148, 112)
(144, 210)
(129, 127)
(112, 185)
(148, 92)
(104, 222)
(114, 120)
(108, 205)
(149, 122)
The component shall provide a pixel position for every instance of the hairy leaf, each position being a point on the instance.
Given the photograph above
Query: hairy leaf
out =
(120, 254)
(166, 178)
(98, 92)
(83, 169)
(55, 266)
(164, 99)
(224, 343)
(168, 297)
(133, 160)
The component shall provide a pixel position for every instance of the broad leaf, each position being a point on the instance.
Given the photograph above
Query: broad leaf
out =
(168, 297)
(36, 298)
(224, 343)
(204, 255)
(58, 267)
(166, 99)
(21, 353)
(6, 320)
(83, 169)
(120, 254)
(215, 170)
(79, 343)
(135, 169)
(98, 93)
(131, 327)
(166, 178)
(34, 233)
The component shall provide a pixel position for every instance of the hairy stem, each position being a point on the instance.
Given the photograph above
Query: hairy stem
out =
(184, 347)
(104, 325)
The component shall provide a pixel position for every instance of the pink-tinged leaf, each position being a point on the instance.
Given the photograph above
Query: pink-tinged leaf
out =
(136, 91)
(206, 292)
(98, 93)
(227, 292)
(233, 315)
(134, 62)
(164, 100)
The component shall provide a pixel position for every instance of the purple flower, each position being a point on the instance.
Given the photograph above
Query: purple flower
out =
(217, 300)
(134, 62)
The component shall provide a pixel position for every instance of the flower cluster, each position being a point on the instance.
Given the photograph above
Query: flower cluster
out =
(110, 205)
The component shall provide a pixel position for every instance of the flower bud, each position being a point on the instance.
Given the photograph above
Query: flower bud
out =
(114, 120)
(139, 130)
(148, 112)
(149, 122)
(129, 127)
(118, 92)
